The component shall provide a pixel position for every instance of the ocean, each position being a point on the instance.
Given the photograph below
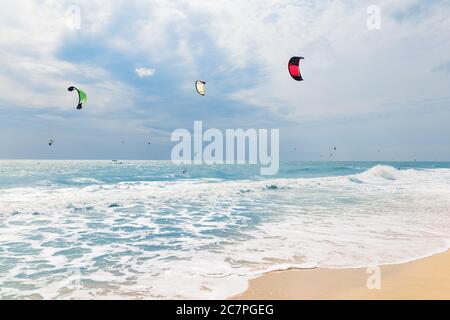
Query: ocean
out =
(145, 229)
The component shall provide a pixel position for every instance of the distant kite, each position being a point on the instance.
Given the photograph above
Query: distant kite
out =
(294, 68)
(82, 97)
(200, 87)
(50, 142)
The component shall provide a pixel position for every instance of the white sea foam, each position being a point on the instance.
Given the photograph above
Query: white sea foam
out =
(205, 238)
(86, 180)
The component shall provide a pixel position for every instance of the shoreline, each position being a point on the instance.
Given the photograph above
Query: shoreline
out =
(426, 278)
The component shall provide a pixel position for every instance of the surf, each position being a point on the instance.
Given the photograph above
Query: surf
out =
(212, 230)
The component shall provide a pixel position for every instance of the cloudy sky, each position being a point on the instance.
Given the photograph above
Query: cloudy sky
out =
(375, 94)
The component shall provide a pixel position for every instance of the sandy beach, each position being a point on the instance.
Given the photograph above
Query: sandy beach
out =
(427, 278)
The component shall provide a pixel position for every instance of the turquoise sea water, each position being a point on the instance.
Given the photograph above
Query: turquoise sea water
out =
(145, 229)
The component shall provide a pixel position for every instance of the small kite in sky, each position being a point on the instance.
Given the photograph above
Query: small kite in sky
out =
(294, 68)
(200, 87)
(82, 97)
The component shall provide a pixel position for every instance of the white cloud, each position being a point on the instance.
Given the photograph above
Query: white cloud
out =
(348, 69)
(31, 73)
(144, 72)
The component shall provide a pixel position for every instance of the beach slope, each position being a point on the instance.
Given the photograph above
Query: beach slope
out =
(427, 278)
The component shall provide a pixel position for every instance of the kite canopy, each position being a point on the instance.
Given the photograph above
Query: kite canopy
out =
(50, 142)
(82, 97)
(294, 68)
(200, 87)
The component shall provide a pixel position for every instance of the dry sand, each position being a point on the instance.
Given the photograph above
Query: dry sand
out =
(427, 278)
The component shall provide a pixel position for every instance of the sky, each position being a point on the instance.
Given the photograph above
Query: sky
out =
(374, 93)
